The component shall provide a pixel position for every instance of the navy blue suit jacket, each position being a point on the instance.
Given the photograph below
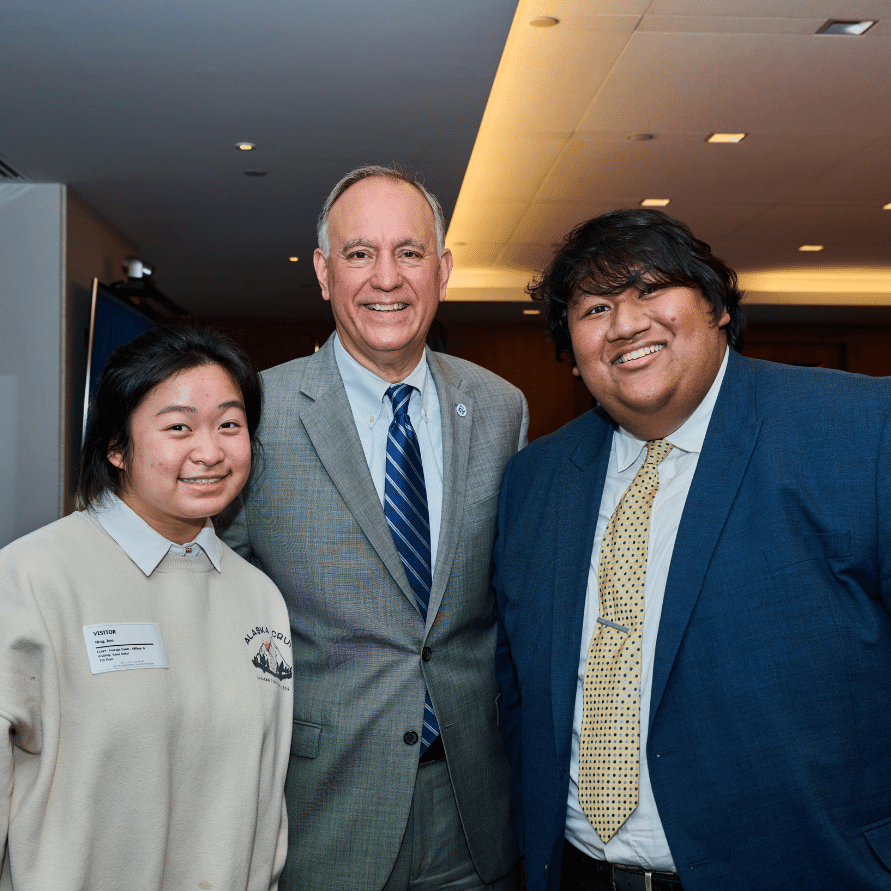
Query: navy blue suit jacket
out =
(770, 727)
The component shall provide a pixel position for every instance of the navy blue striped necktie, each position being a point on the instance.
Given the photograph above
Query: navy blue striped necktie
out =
(405, 507)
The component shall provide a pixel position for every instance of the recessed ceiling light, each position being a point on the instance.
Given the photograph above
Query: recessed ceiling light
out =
(293, 259)
(655, 202)
(544, 21)
(726, 137)
(255, 173)
(811, 247)
(531, 312)
(639, 137)
(840, 26)
(886, 207)
(245, 146)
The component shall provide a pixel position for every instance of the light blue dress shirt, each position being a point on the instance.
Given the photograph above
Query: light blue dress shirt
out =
(641, 840)
(373, 412)
(142, 544)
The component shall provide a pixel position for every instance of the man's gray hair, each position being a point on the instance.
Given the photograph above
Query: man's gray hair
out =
(366, 172)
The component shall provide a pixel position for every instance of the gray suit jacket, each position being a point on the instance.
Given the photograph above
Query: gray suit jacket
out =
(313, 522)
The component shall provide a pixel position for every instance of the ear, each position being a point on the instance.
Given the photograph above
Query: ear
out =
(446, 261)
(116, 458)
(321, 265)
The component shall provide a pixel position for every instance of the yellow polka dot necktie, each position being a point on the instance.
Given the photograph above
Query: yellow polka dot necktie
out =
(609, 749)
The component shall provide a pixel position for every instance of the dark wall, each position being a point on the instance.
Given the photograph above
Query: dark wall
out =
(523, 355)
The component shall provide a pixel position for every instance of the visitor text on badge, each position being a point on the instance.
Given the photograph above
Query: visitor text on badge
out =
(116, 646)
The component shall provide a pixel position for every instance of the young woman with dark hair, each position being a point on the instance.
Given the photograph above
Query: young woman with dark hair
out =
(144, 667)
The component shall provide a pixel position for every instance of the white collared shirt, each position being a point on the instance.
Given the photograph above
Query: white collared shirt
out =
(641, 840)
(142, 544)
(373, 412)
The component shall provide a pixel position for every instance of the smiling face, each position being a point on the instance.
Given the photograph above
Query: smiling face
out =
(648, 357)
(190, 452)
(382, 275)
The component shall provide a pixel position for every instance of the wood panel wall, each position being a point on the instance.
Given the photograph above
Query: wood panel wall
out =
(859, 348)
(522, 354)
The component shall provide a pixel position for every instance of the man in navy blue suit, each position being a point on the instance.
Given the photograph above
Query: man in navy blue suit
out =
(760, 704)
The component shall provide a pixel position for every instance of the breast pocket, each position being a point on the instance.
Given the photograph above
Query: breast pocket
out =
(483, 512)
(792, 550)
(305, 739)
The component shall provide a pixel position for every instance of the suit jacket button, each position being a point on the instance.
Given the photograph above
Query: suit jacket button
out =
(426, 653)
(410, 737)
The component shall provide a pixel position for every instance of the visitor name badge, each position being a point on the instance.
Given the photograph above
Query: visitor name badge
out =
(116, 646)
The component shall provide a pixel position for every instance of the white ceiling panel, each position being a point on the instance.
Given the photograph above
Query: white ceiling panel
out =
(576, 62)
(800, 86)
(728, 25)
(825, 9)
(521, 165)
(494, 219)
(673, 166)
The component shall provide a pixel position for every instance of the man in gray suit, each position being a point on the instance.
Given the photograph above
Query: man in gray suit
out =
(398, 776)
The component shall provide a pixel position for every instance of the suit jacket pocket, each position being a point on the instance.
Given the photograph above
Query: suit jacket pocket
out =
(879, 837)
(482, 510)
(305, 739)
(792, 550)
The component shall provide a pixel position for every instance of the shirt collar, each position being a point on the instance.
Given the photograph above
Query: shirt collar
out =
(689, 437)
(142, 544)
(367, 391)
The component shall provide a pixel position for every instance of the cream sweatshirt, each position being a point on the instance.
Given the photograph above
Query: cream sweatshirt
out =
(141, 777)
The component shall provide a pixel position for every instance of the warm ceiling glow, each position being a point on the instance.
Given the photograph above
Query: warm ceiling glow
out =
(655, 202)
(811, 247)
(293, 259)
(245, 146)
(886, 207)
(531, 312)
(726, 137)
(864, 285)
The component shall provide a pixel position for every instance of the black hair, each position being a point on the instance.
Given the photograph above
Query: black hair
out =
(630, 248)
(131, 372)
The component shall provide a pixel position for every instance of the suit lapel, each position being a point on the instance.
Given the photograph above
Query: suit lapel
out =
(455, 455)
(726, 451)
(580, 488)
(330, 427)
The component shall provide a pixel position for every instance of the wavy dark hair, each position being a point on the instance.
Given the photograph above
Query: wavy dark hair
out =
(131, 372)
(629, 248)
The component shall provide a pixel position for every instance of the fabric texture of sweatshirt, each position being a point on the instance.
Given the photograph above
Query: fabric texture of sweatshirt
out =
(140, 777)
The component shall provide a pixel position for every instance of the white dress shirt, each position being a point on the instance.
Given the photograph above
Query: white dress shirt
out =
(641, 840)
(142, 544)
(373, 412)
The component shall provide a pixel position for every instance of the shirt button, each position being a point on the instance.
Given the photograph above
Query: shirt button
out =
(188, 550)
(426, 653)
(410, 737)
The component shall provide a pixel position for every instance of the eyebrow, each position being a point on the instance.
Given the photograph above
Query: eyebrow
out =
(364, 242)
(356, 242)
(173, 409)
(412, 242)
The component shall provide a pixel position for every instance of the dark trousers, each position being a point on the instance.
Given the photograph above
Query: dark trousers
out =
(582, 873)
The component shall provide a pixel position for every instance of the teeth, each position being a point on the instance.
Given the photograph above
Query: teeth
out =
(203, 480)
(636, 354)
(386, 307)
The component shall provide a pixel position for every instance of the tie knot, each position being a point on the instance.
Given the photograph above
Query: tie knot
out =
(400, 394)
(657, 449)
